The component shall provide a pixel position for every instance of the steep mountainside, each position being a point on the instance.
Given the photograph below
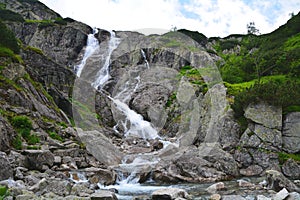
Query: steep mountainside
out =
(82, 109)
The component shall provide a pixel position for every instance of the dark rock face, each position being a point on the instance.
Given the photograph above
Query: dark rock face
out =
(6, 170)
(6, 135)
(35, 159)
(290, 134)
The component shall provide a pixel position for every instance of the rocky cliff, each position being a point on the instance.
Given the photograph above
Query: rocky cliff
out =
(163, 112)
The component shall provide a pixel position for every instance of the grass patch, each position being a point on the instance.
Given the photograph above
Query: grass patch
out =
(55, 136)
(34, 49)
(283, 157)
(171, 100)
(194, 76)
(3, 192)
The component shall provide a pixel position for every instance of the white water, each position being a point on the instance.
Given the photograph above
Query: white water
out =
(103, 74)
(145, 58)
(92, 45)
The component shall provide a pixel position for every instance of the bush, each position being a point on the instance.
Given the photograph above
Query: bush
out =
(55, 136)
(21, 122)
(17, 142)
(8, 39)
(7, 15)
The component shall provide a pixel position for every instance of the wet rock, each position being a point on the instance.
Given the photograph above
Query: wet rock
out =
(252, 170)
(215, 187)
(291, 169)
(6, 170)
(290, 133)
(277, 181)
(36, 159)
(282, 194)
(262, 197)
(233, 197)
(293, 196)
(102, 176)
(215, 197)
(104, 195)
(169, 194)
(244, 183)
(101, 147)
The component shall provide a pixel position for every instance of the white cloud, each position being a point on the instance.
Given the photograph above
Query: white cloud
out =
(210, 17)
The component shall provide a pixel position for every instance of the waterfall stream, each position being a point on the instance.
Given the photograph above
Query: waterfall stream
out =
(92, 45)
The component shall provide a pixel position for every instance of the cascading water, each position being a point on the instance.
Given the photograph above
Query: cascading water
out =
(145, 58)
(92, 45)
(103, 74)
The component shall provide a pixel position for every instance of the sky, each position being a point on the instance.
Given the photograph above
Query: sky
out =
(210, 17)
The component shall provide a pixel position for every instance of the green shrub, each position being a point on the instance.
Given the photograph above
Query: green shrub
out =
(8, 39)
(3, 192)
(17, 142)
(21, 122)
(33, 139)
(228, 44)
(55, 136)
(7, 15)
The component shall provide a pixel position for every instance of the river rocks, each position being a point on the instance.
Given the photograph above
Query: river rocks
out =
(215, 187)
(282, 194)
(101, 176)
(277, 181)
(6, 170)
(290, 134)
(252, 170)
(291, 169)
(104, 195)
(169, 194)
(100, 147)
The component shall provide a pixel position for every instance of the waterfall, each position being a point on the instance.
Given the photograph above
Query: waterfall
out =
(91, 46)
(145, 58)
(103, 74)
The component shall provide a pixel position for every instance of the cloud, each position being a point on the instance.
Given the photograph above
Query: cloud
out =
(210, 17)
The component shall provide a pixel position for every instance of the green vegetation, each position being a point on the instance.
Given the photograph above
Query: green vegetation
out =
(283, 157)
(171, 100)
(3, 192)
(23, 126)
(49, 22)
(8, 40)
(7, 15)
(55, 136)
(194, 76)
(36, 50)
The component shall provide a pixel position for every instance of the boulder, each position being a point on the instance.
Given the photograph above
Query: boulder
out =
(252, 170)
(6, 170)
(266, 115)
(277, 181)
(281, 195)
(103, 195)
(233, 197)
(291, 169)
(55, 185)
(215, 197)
(100, 147)
(101, 176)
(36, 159)
(169, 194)
(262, 197)
(290, 133)
(293, 196)
(81, 190)
(215, 187)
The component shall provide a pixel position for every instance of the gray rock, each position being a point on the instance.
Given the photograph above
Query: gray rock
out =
(57, 186)
(215, 187)
(252, 170)
(277, 181)
(104, 195)
(281, 195)
(35, 159)
(169, 194)
(293, 196)
(290, 133)
(291, 169)
(262, 197)
(100, 147)
(266, 115)
(80, 189)
(6, 134)
(233, 197)
(6, 170)
(99, 175)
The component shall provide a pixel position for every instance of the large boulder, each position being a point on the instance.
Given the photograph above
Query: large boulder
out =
(291, 169)
(101, 147)
(291, 133)
(266, 115)
(104, 195)
(6, 170)
(36, 159)
(277, 181)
